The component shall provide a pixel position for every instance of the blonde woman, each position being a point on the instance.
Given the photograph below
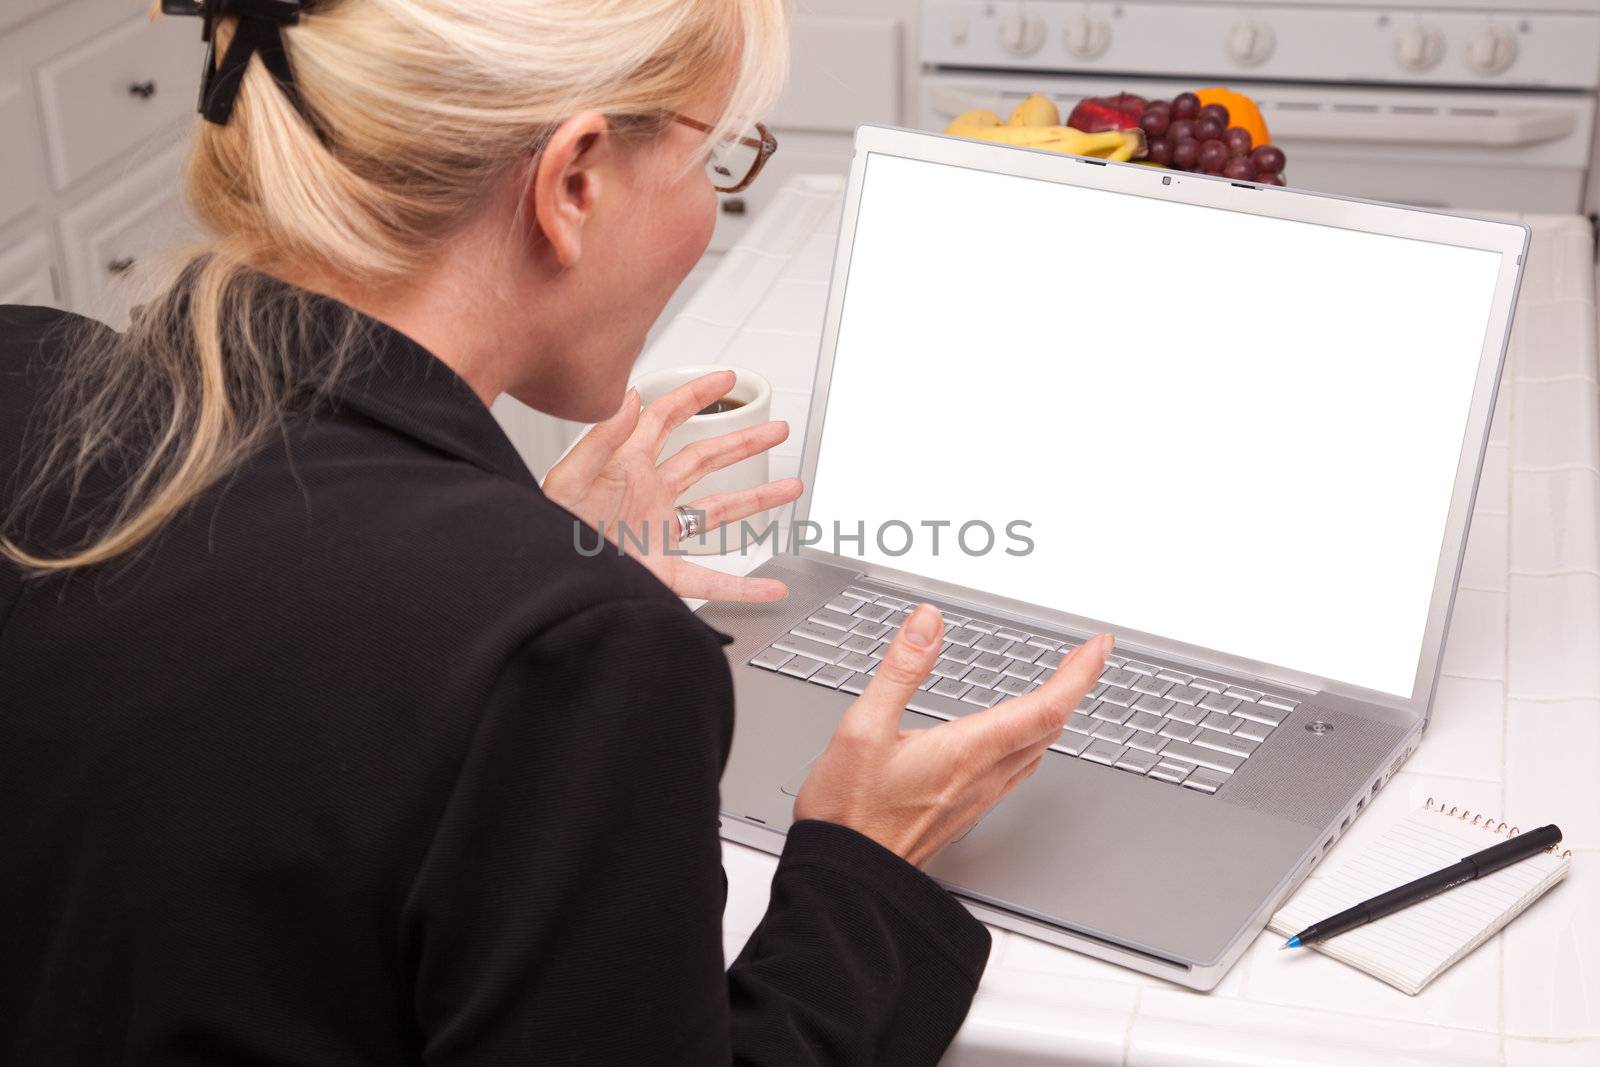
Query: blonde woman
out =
(320, 742)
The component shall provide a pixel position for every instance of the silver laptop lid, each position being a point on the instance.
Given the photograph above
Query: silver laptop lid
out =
(1238, 425)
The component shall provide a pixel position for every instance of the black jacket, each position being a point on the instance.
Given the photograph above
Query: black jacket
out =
(361, 762)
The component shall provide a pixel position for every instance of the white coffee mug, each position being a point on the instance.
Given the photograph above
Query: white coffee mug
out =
(754, 397)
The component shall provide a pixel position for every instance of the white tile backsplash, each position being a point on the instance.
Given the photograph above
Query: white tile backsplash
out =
(1550, 768)
(1553, 640)
(1475, 646)
(1554, 516)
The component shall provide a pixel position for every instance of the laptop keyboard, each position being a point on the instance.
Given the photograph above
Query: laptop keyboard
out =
(1183, 729)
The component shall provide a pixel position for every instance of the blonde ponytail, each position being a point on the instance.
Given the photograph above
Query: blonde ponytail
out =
(425, 105)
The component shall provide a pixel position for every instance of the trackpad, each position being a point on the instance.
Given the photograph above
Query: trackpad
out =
(793, 783)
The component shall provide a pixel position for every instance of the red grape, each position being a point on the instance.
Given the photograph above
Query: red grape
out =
(1207, 128)
(1213, 154)
(1267, 177)
(1238, 140)
(1159, 150)
(1269, 157)
(1185, 106)
(1185, 153)
(1215, 111)
(1181, 129)
(1159, 105)
(1239, 169)
(1154, 122)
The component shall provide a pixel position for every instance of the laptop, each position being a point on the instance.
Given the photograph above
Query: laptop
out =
(1239, 426)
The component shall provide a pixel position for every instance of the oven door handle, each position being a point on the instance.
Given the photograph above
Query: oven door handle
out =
(1499, 129)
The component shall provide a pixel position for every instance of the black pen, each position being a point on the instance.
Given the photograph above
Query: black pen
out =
(1476, 865)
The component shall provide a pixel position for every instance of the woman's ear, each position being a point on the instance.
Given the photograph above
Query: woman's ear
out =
(566, 184)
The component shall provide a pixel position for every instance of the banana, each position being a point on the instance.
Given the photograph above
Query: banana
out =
(1119, 145)
(1036, 110)
(977, 117)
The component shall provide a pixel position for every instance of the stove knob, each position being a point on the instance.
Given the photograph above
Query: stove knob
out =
(1087, 36)
(1419, 49)
(1021, 34)
(1250, 43)
(1491, 51)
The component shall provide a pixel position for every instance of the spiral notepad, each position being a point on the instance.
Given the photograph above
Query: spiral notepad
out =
(1413, 946)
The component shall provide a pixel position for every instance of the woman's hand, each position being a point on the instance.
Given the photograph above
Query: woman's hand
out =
(915, 791)
(611, 479)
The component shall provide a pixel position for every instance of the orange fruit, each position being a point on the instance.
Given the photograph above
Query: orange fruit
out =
(1242, 111)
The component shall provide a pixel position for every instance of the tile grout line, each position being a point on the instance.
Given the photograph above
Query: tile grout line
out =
(1505, 689)
(1127, 1031)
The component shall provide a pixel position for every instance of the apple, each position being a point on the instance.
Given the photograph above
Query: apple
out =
(1096, 113)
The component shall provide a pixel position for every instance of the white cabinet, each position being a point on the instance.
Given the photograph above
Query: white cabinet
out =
(25, 276)
(112, 93)
(110, 237)
(17, 192)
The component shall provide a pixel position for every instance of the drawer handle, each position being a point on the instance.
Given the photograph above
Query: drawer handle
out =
(120, 265)
(734, 205)
(143, 90)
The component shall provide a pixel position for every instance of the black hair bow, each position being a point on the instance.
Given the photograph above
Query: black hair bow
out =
(258, 33)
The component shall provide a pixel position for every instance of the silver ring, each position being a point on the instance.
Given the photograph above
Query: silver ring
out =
(688, 522)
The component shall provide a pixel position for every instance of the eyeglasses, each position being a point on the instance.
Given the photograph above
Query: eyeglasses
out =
(735, 161)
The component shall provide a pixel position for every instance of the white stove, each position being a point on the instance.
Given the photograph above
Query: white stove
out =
(1458, 104)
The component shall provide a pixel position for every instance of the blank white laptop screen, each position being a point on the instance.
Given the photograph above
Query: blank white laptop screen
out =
(1233, 431)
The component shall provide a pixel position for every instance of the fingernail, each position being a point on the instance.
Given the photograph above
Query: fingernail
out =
(1105, 642)
(922, 628)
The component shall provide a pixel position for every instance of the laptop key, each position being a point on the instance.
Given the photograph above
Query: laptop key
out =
(941, 705)
(1051, 659)
(1210, 685)
(857, 662)
(1011, 635)
(950, 687)
(1185, 694)
(1110, 713)
(1103, 752)
(1024, 653)
(874, 630)
(992, 643)
(857, 593)
(960, 653)
(1139, 667)
(1080, 723)
(856, 683)
(949, 668)
(963, 635)
(1143, 720)
(1117, 695)
(839, 620)
(1242, 693)
(1219, 722)
(981, 626)
(1237, 746)
(1148, 742)
(1119, 677)
(1044, 644)
(1279, 703)
(771, 659)
(1026, 671)
(981, 696)
(1110, 731)
(1173, 676)
(979, 676)
(989, 661)
(1213, 702)
(1154, 705)
(859, 643)
(1013, 686)
(1263, 715)
(832, 676)
(1205, 757)
(1153, 686)
(1253, 731)
(1166, 773)
(843, 604)
(1072, 744)
(894, 602)
(1136, 760)
(802, 667)
(816, 632)
(1116, 660)
(1205, 781)
(1179, 731)
(802, 646)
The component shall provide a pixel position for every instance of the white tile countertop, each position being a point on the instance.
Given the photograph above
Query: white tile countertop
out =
(1516, 727)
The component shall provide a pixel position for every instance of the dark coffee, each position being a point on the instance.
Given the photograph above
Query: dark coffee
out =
(727, 403)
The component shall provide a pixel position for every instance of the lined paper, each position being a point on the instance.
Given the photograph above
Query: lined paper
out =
(1413, 946)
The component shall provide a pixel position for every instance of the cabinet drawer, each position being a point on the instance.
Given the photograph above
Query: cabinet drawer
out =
(116, 91)
(25, 276)
(18, 183)
(16, 12)
(112, 238)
